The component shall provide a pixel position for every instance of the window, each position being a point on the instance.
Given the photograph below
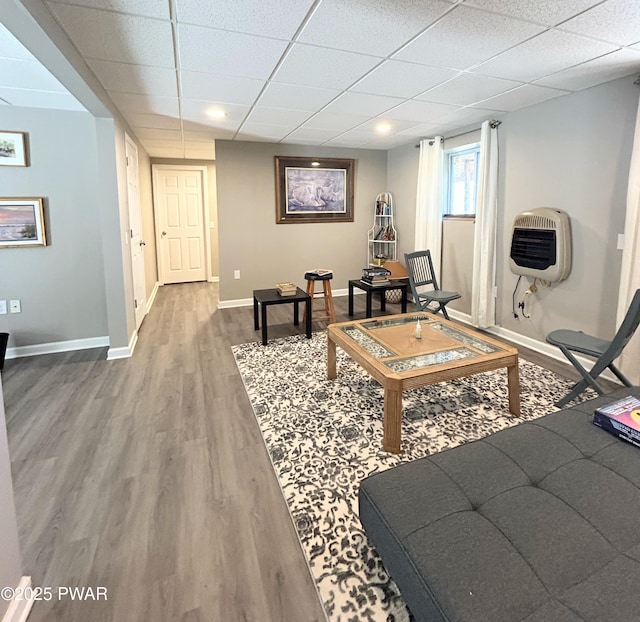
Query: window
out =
(462, 181)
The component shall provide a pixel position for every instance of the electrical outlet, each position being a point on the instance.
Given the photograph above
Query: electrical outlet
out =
(236, 274)
(3, 307)
(14, 306)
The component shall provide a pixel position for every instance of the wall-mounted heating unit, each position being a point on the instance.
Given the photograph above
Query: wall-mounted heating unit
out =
(541, 244)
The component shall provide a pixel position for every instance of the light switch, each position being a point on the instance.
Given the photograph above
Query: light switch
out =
(3, 307)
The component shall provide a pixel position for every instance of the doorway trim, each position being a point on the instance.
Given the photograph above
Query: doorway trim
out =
(205, 217)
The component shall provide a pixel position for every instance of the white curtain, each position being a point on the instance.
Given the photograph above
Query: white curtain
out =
(428, 200)
(483, 302)
(630, 273)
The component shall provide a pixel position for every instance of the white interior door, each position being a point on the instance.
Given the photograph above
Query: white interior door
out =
(180, 224)
(135, 223)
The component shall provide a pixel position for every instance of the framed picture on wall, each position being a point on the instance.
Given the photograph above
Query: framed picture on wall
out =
(314, 190)
(21, 222)
(13, 150)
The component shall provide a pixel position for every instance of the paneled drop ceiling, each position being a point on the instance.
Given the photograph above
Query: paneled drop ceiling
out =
(349, 73)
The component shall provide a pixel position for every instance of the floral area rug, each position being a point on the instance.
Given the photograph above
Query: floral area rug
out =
(325, 436)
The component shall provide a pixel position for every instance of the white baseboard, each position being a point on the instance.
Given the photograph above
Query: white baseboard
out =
(123, 353)
(541, 347)
(57, 346)
(248, 302)
(152, 297)
(19, 610)
(214, 279)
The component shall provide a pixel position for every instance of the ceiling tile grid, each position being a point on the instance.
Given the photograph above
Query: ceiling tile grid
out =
(186, 72)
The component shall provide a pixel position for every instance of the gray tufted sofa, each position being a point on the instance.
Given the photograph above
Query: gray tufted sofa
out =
(536, 523)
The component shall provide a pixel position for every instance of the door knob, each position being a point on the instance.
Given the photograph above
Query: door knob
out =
(164, 233)
(143, 243)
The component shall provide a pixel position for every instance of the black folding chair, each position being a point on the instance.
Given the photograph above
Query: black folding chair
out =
(421, 274)
(605, 352)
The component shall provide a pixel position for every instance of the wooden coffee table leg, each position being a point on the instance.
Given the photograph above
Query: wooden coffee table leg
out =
(392, 424)
(331, 359)
(513, 380)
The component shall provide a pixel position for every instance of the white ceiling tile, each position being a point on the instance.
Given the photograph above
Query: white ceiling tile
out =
(547, 53)
(199, 136)
(603, 69)
(325, 120)
(146, 104)
(548, 12)
(616, 21)
(278, 116)
(306, 141)
(228, 53)
(314, 66)
(400, 79)
(465, 116)
(117, 37)
(148, 8)
(396, 126)
(265, 129)
(196, 111)
(269, 18)
(477, 35)
(158, 134)
(521, 97)
(27, 73)
(354, 138)
(40, 99)
(424, 130)
(157, 142)
(467, 89)
(10, 47)
(217, 88)
(125, 78)
(309, 98)
(215, 132)
(309, 133)
(152, 120)
(362, 104)
(419, 111)
(250, 131)
(375, 27)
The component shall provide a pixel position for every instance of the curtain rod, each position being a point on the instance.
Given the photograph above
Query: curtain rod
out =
(493, 123)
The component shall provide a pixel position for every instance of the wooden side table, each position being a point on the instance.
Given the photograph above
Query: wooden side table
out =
(266, 297)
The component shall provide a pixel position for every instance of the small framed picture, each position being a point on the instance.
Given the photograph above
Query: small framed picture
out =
(21, 222)
(13, 151)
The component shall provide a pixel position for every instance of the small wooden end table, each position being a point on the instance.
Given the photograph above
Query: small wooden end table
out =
(266, 297)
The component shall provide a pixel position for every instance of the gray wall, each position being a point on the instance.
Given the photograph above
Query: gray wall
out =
(570, 153)
(10, 563)
(61, 286)
(267, 253)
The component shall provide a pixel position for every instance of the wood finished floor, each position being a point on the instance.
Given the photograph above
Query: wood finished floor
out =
(149, 476)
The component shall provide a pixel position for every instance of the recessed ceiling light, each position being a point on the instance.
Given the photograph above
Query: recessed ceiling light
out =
(216, 113)
(383, 128)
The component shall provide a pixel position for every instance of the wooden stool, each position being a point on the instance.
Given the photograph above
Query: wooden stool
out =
(329, 309)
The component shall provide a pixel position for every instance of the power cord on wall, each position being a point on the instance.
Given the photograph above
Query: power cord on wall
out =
(532, 289)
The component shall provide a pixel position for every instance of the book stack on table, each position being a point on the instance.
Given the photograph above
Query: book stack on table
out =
(376, 275)
(286, 289)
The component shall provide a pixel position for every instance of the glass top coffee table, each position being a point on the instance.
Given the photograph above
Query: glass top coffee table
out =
(387, 348)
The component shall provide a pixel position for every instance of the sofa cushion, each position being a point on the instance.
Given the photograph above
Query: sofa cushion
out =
(539, 522)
